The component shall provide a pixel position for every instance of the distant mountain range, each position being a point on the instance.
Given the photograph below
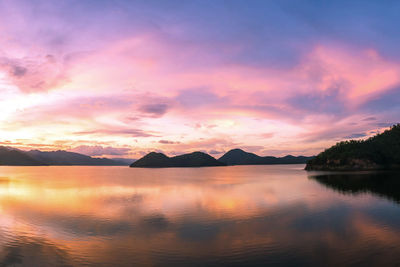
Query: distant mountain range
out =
(200, 159)
(240, 157)
(159, 160)
(15, 157)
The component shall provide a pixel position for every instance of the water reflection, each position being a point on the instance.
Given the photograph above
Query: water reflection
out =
(243, 215)
(385, 183)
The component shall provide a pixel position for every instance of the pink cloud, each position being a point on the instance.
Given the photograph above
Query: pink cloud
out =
(100, 150)
(130, 132)
(136, 87)
(168, 142)
(35, 74)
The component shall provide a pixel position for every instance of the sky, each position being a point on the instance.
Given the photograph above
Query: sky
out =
(123, 78)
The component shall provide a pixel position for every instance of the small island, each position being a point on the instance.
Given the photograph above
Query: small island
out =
(380, 152)
(159, 160)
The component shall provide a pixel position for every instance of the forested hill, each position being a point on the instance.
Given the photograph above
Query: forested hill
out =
(381, 151)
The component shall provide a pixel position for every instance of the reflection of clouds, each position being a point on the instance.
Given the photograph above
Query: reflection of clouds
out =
(34, 249)
(209, 216)
(154, 223)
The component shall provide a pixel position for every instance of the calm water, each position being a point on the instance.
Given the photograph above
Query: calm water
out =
(235, 216)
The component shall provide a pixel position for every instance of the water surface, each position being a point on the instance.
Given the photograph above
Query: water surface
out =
(234, 216)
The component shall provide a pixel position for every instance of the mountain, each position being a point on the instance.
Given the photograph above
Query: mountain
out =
(159, 160)
(14, 157)
(240, 157)
(381, 151)
(66, 158)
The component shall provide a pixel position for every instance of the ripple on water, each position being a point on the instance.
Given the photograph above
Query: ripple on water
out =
(239, 216)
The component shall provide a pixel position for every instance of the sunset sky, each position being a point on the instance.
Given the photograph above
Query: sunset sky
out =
(123, 78)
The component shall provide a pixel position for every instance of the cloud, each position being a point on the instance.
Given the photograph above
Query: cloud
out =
(197, 97)
(154, 110)
(35, 73)
(327, 101)
(370, 119)
(100, 150)
(18, 71)
(355, 136)
(215, 152)
(384, 101)
(130, 132)
(167, 142)
(267, 135)
(385, 124)
(235, 72)
(253, 149)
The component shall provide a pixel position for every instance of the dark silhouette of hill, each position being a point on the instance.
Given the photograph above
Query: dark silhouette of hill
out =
(65, 158)
(159, 160)
(9, 156)
(14, 157)
(385, 184)
(240, 157)
(381, 151)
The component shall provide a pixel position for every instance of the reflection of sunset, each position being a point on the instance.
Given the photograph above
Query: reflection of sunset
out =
(225, 196)
(89, 86)
(102, 217)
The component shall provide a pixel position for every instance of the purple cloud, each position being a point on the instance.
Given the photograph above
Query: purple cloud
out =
(192, 98)
(215, 152)
(100, 150)
(131, 132)
(355, 136)
(167, 142)
(154, 110)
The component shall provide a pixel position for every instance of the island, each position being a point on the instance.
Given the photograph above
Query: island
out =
(380, 152)
(200, 159)
(159, 160)
(239, 157)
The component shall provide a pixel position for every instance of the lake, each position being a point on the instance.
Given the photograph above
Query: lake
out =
(216, 216)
